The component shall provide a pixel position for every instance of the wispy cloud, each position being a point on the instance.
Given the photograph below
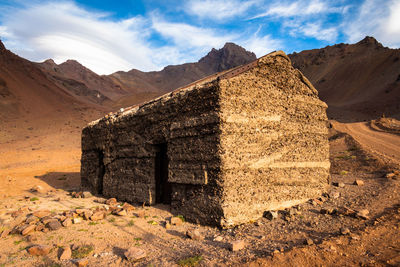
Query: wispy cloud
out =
(380, 19)
(63, 31)
(218, 9)
(315, 30)
(297, 8)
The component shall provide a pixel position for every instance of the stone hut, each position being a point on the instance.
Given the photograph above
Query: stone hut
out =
(220, 151)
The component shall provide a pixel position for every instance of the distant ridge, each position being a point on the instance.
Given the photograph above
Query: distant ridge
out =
(358, 81)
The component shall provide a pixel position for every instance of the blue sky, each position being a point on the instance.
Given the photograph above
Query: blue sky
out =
(107, 36)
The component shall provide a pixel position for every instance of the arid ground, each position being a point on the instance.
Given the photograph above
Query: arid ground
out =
(330, 231)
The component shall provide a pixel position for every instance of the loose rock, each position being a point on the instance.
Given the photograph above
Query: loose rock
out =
(41, 213)
(31, 238)
(77, 220)
(87, 194)
(82, 262)
(67, 222)
(237, 245)
(271, 215)
(344, 231)
(30, 228)
(97, 216)
(5, 233)
(39, 250)
(335, 195)
(66, 253)
(176, 221)
(308, 241)
(128, 207)
(363, 214)
(218, 238)
(53, 225)
(39, 189)
(111, 201)
(194, 234)
(338, 184)
(135, 254)
(358, 182)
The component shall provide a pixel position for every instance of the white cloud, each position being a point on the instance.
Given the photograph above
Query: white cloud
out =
(64, 31)
(187, 35)
(217, 9)
(380, 19)
(316, 30)
(296, 9)
(260, 45)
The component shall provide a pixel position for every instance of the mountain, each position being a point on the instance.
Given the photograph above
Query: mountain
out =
(147, 85)
(81, 80)
(358, 81)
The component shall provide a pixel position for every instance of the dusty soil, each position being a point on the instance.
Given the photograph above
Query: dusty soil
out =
(381, 143)
(374, 241)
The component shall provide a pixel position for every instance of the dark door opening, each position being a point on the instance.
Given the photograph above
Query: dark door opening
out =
(163, 188)
(100, 172)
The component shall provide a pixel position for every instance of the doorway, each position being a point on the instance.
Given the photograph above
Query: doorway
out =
(100, 172)
(163, 187)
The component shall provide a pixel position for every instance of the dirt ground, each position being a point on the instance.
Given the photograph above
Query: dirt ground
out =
(322, 232)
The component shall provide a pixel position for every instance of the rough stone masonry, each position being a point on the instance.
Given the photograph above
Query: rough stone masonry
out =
(220, 151)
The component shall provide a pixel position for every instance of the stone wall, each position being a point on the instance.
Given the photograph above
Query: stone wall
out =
(274, 140)
(238, 144)
(187, 121)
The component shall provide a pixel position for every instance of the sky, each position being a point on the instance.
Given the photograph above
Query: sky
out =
(113, 35)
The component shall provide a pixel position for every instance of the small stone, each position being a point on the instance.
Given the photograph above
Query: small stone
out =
(176, 221)
(128, 207)
(53, 225)
(327, 211)
(80, 211)
(67, 222)
(358, 182)
(82, 262)
(111, 201)
(87, 194)
(120, 212)
(77, 220)
(32, 219)
(338, 184)
(28, 229)
(363, 214)
(140, 213)
(308, 241)
(39, 250)
(87, 214)
(31, 238)
(135, 254)
(218, 238)
(271, 215)
(194, 234)
(167, 225)
(65, 253)
(39, 227)
(344, 231)
(237, 245)
(335, 195)
(390, 175)
(97, 216)
(41, 213)
(5, 233)
(39, 189)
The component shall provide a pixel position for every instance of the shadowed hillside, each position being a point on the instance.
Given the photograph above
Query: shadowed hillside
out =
(358, 81)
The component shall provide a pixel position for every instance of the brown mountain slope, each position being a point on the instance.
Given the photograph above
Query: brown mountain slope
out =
(149, 84)
(358, 82)
(82, 81)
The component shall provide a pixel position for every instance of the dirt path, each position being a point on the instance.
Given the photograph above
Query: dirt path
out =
(385, 145)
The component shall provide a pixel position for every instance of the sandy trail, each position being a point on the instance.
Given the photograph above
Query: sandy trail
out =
(385, 145)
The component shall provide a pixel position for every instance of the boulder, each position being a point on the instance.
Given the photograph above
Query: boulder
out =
(39, 250)
(30, 228)
(194, 234)
(135, 254)
(237, 245)
(65, 253)
(41, 213)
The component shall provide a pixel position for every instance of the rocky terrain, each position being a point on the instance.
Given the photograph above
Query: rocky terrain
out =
(43, 107)
(356, 223)
(358, 81)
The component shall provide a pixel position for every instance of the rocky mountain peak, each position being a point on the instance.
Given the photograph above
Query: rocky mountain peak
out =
(229, 56)
(2, 47)
(369, 42)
